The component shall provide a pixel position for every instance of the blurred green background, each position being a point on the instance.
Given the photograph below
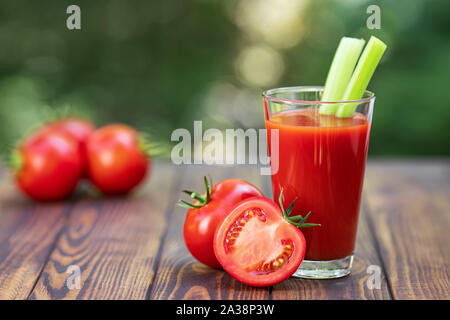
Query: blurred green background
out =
(160, 65)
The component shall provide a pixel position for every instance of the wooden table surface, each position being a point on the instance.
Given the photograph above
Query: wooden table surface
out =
(132, 247)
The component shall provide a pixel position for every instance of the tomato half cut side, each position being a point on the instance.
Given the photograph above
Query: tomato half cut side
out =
(256, 245)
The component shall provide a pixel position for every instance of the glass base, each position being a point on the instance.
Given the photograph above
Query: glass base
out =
(329, 269)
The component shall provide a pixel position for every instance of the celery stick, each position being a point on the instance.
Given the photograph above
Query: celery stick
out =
(363, 73)
(340, 72)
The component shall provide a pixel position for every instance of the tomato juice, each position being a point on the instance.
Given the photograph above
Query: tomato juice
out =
(322, 161)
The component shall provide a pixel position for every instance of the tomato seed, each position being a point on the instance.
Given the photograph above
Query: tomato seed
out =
(238, 225)
(274, 264)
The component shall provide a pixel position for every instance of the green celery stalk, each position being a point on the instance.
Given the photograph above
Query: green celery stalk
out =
(344, 62)
(367, 64)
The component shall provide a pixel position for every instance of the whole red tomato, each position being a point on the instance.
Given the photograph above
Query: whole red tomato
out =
(208, 211)
(259, 244)
(116, 159)
(78, 128)
(47, 165)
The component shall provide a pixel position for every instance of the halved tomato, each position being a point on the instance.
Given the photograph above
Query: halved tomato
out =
(259, 244)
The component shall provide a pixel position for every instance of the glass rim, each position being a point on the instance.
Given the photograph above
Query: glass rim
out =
(266, 95)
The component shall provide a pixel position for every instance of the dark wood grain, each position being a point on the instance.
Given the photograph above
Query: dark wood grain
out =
(179, 275)
(27, 236)
(409, 205)
(114, 241)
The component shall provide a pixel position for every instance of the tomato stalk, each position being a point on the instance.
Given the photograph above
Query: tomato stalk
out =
(294, 220)
(202, 199)
(144, 143)
(15, 162)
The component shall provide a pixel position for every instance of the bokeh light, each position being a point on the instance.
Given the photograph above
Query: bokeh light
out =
(277, 22)
(259, 66)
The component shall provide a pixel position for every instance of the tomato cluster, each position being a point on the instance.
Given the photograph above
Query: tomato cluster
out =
(49, 163)
(233, 226)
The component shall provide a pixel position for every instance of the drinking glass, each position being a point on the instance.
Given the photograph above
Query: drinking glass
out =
(320, 160)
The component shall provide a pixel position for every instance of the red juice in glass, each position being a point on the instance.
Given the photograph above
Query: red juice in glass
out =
(320, 159)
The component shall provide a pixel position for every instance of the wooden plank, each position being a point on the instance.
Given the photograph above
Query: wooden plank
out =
(179, 275)
(27, 235)
(409, 207)
(114, 242)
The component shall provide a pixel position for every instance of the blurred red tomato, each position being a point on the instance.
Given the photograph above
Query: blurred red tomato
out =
(116, 159)
(47, 165)
(78, 128)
